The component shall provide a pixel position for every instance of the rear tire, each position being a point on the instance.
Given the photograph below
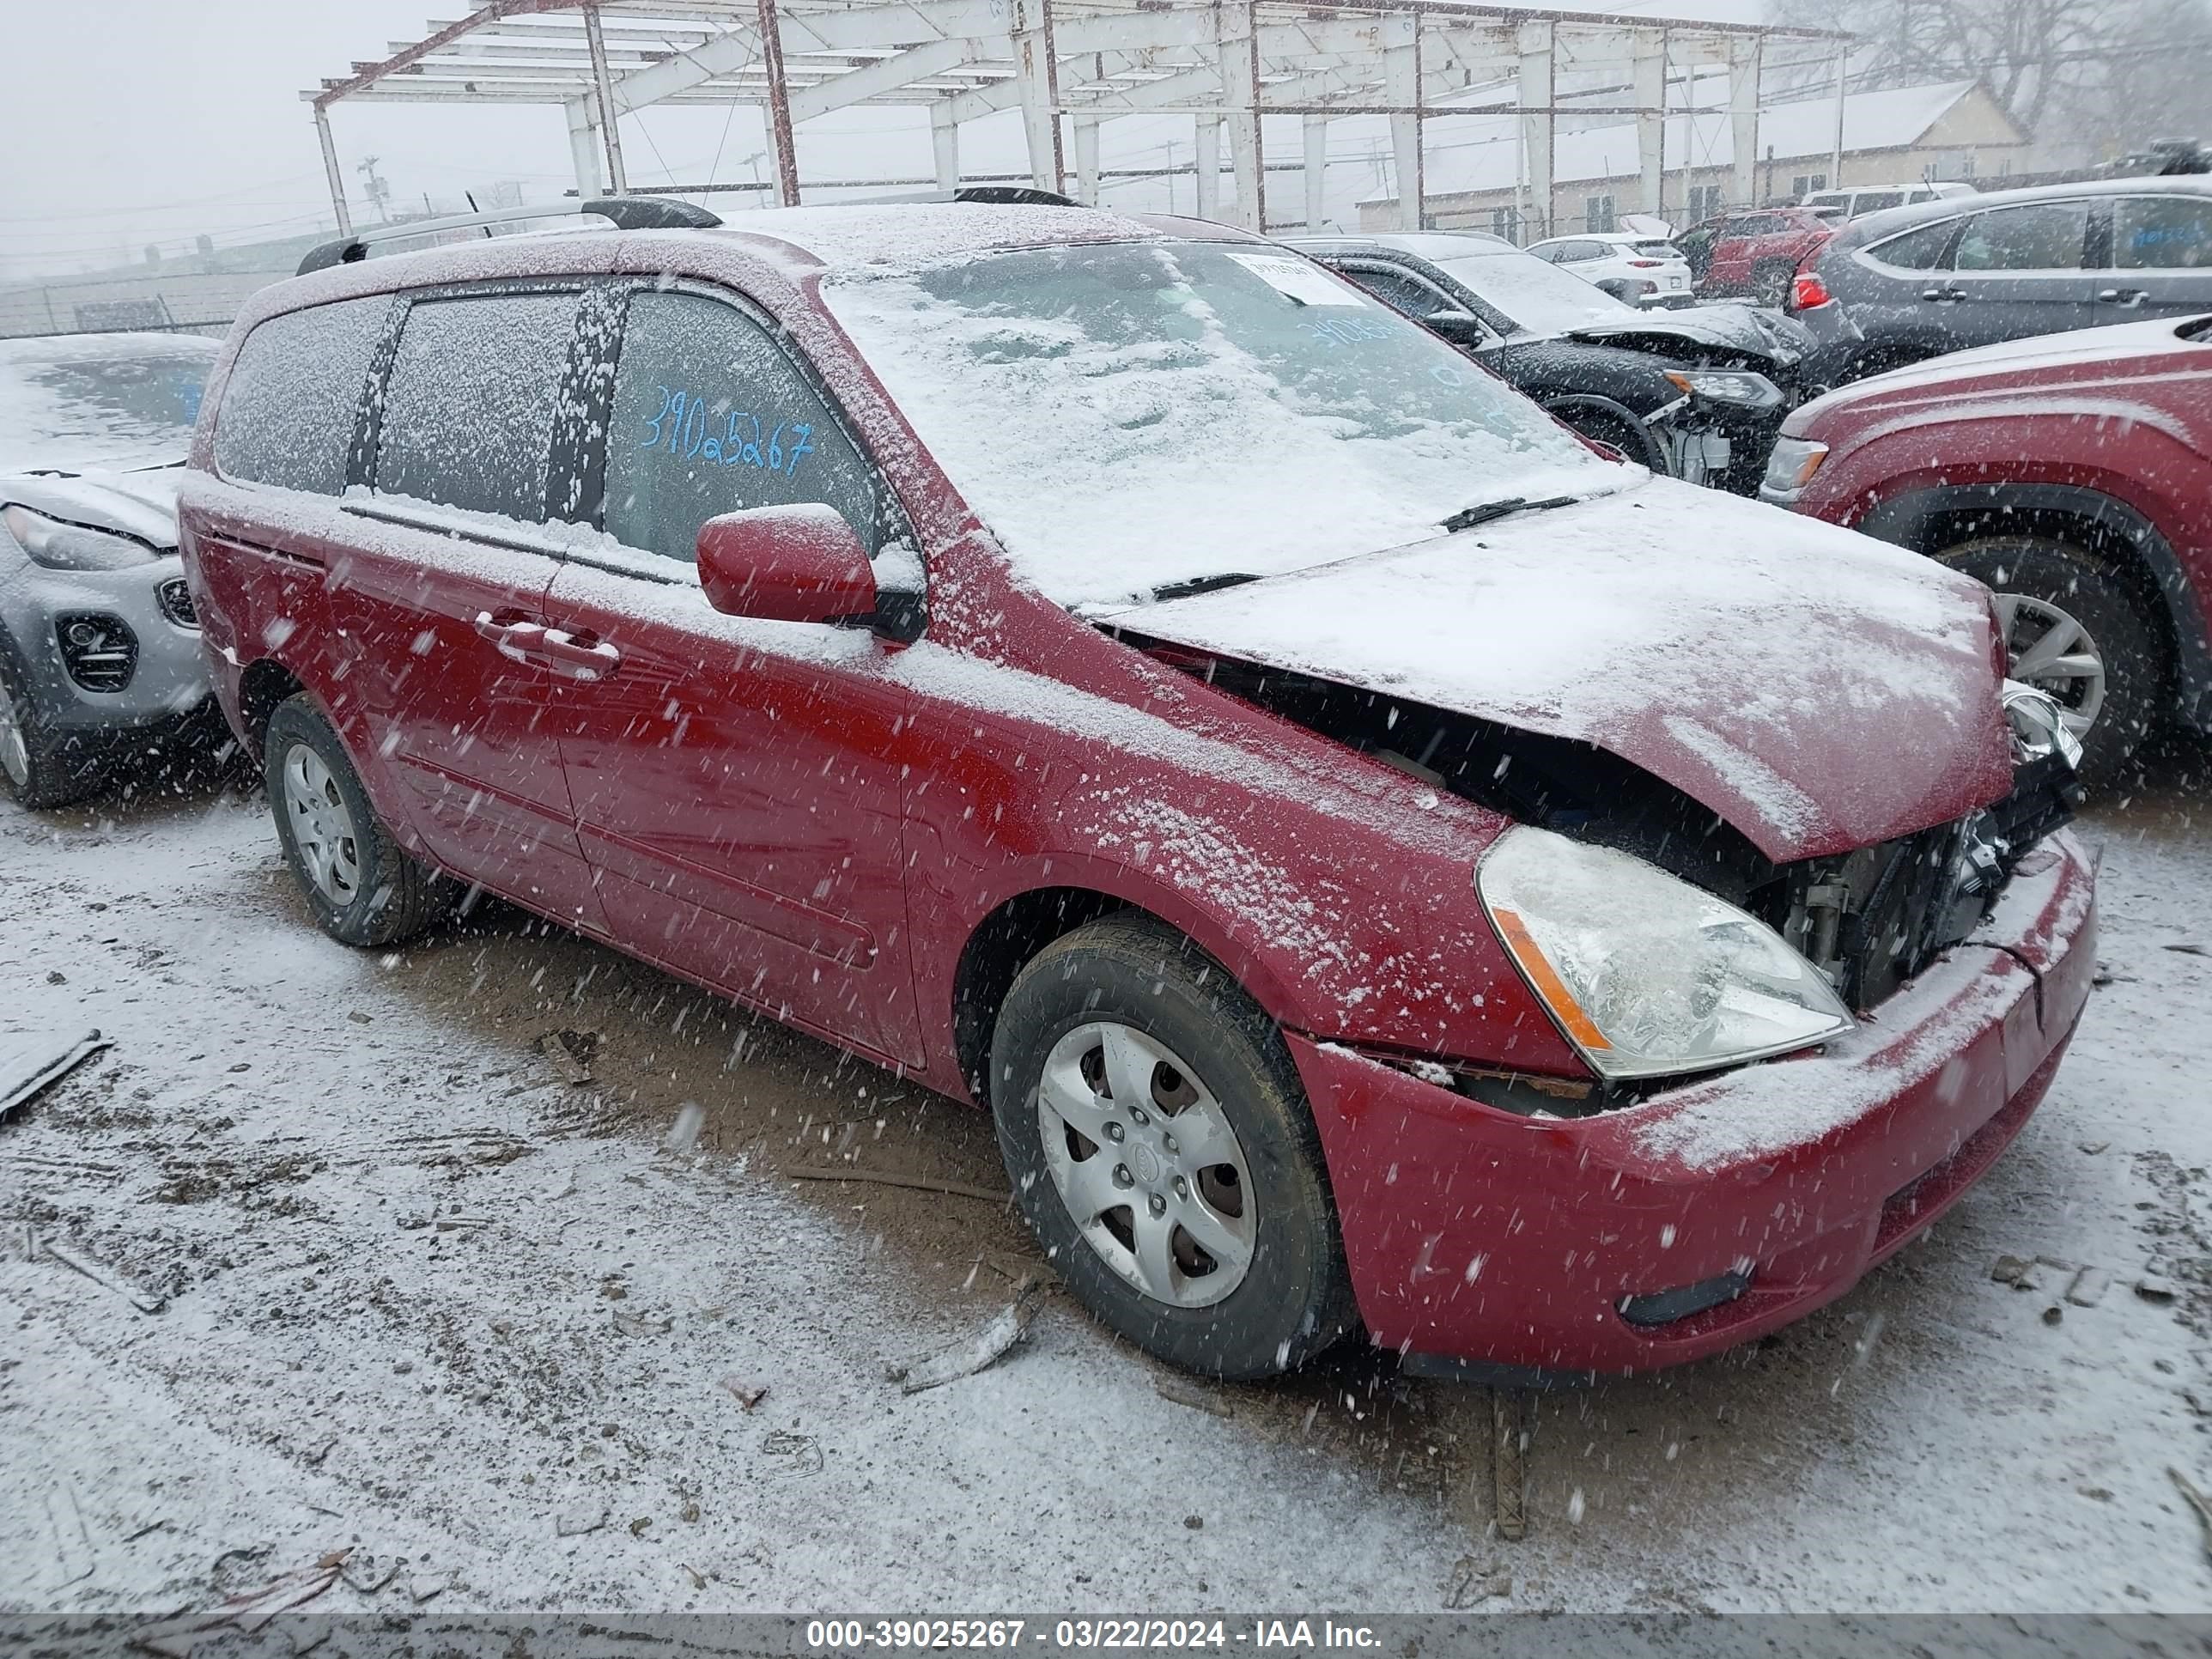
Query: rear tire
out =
(364, 888)
(1216, 1249)
(1769, 282)
(2101, 656)
(41, 768)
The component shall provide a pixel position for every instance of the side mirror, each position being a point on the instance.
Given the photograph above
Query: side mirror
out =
(799, 563)
(1460, 327)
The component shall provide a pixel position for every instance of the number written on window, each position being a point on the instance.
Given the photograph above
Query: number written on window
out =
(687, 425)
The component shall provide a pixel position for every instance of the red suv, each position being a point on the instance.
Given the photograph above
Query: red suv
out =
(2073, 473)
(1385, 864)
(1753, 251)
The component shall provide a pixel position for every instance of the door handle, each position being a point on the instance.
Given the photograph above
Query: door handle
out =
(580, 659)
(1943, 296)
(2121, 296)
(512, 634)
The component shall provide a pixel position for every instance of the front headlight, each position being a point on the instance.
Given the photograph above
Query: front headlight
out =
(1739, 387)
(1647, 975)
(1790, 465)
(2039, 726)
(60, 546)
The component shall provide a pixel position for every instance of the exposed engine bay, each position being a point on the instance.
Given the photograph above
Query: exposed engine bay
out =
(1869, 919)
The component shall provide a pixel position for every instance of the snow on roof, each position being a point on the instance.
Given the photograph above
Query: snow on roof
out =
(1481, 154)
(891, 236)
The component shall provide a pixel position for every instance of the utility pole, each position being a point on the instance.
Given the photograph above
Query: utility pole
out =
(378, 189)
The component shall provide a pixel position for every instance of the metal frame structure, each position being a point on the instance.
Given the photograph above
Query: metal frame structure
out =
(1070, 66)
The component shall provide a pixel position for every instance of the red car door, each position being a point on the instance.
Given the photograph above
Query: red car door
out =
(442, 594)
(736, 783)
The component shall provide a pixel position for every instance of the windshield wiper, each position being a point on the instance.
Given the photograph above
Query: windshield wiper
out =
(1483, 511)
(1203, 585)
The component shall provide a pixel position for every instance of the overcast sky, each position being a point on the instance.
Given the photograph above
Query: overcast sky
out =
(131, 122)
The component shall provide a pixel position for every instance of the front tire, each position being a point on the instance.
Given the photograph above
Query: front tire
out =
(1158, 1139)
(43, 770)
(2074, 628)
(362, 886)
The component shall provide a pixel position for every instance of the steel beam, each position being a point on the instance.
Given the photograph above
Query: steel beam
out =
(885, 75)
(602, 87)
(1648, 75)
(1316, 171)
(944, 144)
(1401, 80)
(1086, 159)
(778, 105)
(1744, 67)
(1238, 51)
(1538, 98)
(331, 170)
(1205, 165)
(584, 148)
(1036, 79)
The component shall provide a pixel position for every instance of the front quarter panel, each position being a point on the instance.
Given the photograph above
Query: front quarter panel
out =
(1344, 902)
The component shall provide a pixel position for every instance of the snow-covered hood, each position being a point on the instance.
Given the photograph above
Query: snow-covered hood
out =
(1753, 330)
(1817, 690)
(142, 505)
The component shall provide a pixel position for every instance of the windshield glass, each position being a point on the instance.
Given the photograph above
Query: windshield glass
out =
(90, 400)
(1131, 415)
(1542, 298)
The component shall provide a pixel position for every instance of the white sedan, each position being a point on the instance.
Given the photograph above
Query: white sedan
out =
(1645, 270)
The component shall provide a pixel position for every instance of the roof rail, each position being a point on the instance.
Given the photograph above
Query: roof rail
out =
(615, 212)
(992, 195)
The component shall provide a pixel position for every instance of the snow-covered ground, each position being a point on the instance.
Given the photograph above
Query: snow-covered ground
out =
(426, 1298)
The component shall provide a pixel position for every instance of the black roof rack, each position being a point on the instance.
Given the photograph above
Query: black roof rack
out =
(620, 212)
(988, 195)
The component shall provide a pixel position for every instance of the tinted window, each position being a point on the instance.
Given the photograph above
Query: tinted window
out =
(288, 411)
(1574, 252)
(2161, 232)
(2043, 236)
(1408, 295)
(710, 416)
(1873, 201)
(1917, 250)
(468, 414)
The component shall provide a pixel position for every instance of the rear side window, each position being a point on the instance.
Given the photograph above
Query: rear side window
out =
(468, 412)
(2040, 236)
(2161, 232)
(1917, 250)
(1873, 201)
(1404, 293)
(288, 411)
(711, 416)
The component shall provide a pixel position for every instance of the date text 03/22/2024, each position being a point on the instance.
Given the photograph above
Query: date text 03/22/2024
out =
(1287, 1635)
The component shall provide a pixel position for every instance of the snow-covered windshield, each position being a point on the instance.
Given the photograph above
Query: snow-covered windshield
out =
(1540, 297)
(75, 401)
(1127, 417)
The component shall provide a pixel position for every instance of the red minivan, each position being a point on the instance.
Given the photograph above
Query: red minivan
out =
(1386, 865)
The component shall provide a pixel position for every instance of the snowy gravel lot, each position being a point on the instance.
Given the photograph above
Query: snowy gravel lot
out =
(427, 1299)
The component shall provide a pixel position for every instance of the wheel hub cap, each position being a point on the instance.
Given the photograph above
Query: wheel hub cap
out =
(2050, 650)
(1143, 1156)
(322, 827)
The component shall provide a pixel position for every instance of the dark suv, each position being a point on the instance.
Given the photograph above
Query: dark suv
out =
(1904, 286)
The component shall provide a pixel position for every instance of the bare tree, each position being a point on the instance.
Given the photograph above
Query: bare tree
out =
(2108, 73)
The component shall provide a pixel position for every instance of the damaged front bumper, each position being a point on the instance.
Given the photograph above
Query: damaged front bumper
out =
(1712, 1213)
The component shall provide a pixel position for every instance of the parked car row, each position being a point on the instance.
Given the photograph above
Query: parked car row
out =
(1698, 394)
(1387, 864)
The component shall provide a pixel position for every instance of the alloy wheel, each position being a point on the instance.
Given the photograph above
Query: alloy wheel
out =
(322, 827)
(1145, 1158)
(14, 742)
(2050, 650)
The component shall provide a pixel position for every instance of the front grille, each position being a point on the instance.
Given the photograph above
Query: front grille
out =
(1873, 919)
(100, 651)
(176, 600)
